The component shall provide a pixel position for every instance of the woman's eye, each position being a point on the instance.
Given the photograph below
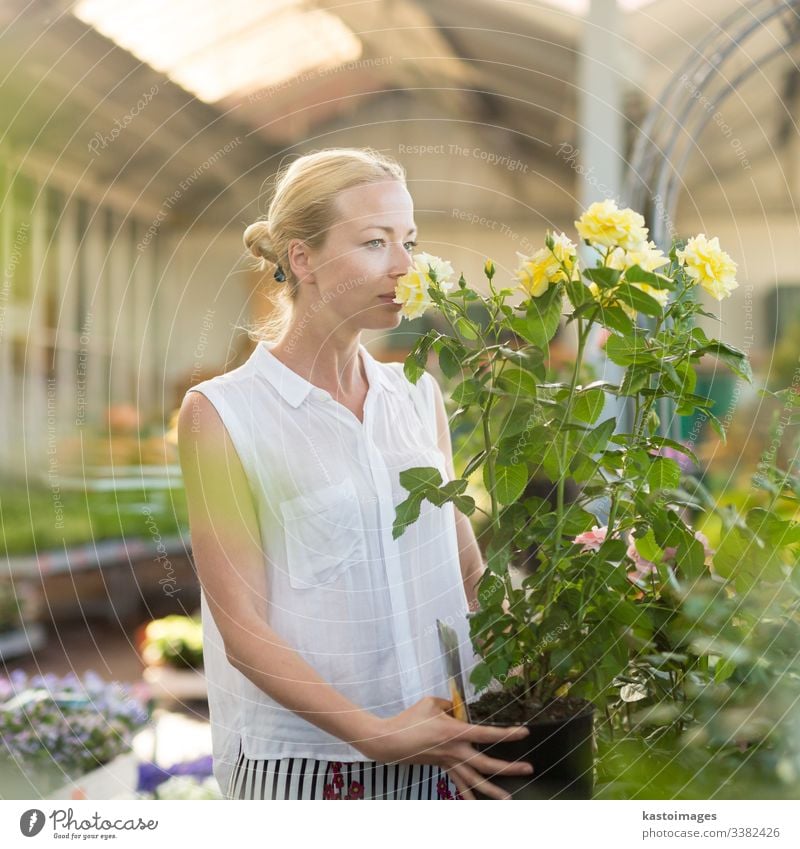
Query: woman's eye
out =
(378, 242)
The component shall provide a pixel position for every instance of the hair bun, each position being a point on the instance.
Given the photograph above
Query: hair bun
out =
(258, 241)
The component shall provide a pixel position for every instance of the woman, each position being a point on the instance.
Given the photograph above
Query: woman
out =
(321, 650)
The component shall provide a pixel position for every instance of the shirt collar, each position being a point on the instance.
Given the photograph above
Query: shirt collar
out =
(294, 389)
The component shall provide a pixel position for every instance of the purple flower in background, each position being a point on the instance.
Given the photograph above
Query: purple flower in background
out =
(684, 461)
(76, 723)
(151, 775)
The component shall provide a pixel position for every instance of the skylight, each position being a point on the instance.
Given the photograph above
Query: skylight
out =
(581, 7)
(218, 48)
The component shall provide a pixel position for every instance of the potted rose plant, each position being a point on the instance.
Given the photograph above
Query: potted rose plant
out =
(552, 648)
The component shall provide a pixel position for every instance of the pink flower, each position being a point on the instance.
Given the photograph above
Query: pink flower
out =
(646, 567)
(591, 540)
(706, 547)
(602, 337)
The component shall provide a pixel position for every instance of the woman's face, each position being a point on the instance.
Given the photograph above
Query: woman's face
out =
(365, 251)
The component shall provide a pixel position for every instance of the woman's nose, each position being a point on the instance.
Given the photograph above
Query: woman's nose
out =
(401, 257)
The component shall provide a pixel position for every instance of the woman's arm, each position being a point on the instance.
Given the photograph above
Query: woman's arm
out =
(229, 561)
(472, 564)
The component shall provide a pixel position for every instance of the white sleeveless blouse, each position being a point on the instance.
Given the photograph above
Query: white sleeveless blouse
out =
(358, 606)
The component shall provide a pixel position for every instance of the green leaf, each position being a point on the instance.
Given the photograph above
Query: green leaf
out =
(723, 670)
(406, 513)
(606, 278)
(467, 392)
(474, 463)
(412, 368)
(420, 478)
(628, 350)
(615, 318)
(691, 560)
(734, 358)
(648, 548)
(635, 379)
(465, 503)
(481, 676)
(551, 461)
(659, 441)
(773, 530)
(510, 481)
(491, 589)
(416, 362)
(588, 405)
(449, 363)
(518, 381)
(663, 474)
(577, 293)
(639, 300)
(466, 328)
(542, 317)
(597, 439)
(636, 274)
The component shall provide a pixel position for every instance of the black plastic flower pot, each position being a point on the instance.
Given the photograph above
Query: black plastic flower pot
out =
(561, 752)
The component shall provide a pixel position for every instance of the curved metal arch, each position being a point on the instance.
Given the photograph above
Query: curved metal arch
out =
(670, 130)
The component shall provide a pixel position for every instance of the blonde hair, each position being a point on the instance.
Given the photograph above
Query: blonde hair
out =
(303, 208)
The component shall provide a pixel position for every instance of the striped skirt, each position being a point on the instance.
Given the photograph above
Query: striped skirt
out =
(307, 778)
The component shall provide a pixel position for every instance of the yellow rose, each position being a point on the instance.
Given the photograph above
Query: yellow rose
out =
(649, 257)
(412, 289)
(412, 292)
(605, 225)
(538, 272)
(441, 268)
(707, 264)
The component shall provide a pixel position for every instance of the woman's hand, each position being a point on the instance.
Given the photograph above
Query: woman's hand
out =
(426, 733)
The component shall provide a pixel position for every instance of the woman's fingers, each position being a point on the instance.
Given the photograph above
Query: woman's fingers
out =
(463, 787)
(489, 765)
(479, 782)
(494, 766)
(489, 733)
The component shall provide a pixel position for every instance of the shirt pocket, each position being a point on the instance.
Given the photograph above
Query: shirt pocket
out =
(324, 534)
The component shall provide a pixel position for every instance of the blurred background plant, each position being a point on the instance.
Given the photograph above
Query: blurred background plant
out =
(88, 516)
(710, 707)
(175, 641)
(63, 727)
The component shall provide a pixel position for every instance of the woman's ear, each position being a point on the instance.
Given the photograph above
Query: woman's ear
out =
(300, 261)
